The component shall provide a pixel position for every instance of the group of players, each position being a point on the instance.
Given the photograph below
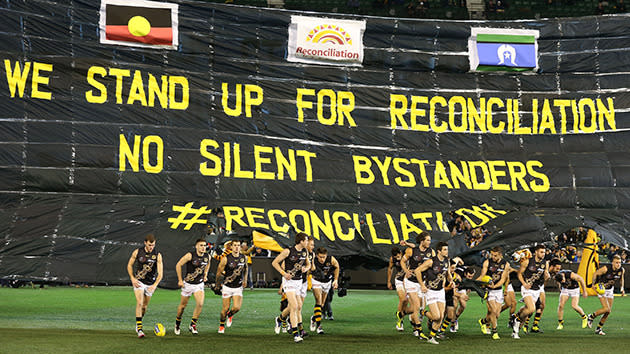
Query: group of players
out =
(429, 284)
(426, 278)
(145, 269)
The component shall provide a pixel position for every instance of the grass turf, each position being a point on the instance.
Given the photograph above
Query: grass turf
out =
(101, 319)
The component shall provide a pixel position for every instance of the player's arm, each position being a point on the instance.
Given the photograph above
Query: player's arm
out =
(245, 275)
(403, 262)
(623, 288)
(449, 277)
(132, 259)
(279, 259)
(160, 272)
(580, 280)
(418, 272)
(601, 271)
(407, 244)
(335, 264)
(178, 267)
(504, 277)
(484, 270)
(248, 251)
(205, 272)
(309, 263)
(220, 269)
(546, 274)
(521, 270)
(389, 272)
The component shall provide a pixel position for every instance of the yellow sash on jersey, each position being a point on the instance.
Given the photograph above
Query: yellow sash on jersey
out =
(590, 261)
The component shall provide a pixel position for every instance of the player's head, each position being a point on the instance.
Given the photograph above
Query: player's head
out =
(442, 249)
(200, 245)
(616, 262)
(496, 253)
(469, 272)
(236, 247)
(310, 244)
(301, 239)
(321, 254)
(539, 251)
(396, 253)
(554, 266)
(423, 239)
(244, 245)
(149, 242)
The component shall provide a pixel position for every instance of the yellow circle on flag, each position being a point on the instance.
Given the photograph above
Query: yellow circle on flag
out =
(139, 26)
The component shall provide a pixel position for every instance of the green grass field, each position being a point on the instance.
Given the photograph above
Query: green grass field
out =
(101, 319)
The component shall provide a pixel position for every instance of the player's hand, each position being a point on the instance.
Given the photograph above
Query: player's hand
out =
(152, 288)
(135, 282)
(334, 284)
(527, 286)
(585, 294)
(407, 274)
(623, 292)
(280, 291)
(287, 276)
(180, 283)
(389, 286)
(423, 288)
(205, 278)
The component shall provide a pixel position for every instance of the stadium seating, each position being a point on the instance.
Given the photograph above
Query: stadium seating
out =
(439, 9)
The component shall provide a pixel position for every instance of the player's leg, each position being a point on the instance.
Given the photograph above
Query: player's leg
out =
(609, 303)
(561, 302)
(180, 312)
(292, 297)
(316, 319)
(575, 304)
(510, 303)
(225, 307)
(435, 314)
(495, 311)
(540, 308)
(199, 299)
(139, 294)
(414, 302)
(300, 304)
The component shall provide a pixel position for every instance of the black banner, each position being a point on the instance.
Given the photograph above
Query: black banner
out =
(102, 144)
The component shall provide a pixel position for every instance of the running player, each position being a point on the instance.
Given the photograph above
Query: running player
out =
(197, 265)
(310, 247)
(145, 271)
(497, 268)
(399, 276)
(461, 274)
(295, 263)
(509, 296)
(433, 275)
(608, 276)
(410, 261)
(325, 271)
(232, 273)
(569, 288)
(532, 274)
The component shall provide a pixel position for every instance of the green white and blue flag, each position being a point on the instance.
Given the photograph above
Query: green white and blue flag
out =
(503, 49)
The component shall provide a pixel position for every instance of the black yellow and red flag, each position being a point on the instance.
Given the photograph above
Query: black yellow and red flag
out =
(139, 23)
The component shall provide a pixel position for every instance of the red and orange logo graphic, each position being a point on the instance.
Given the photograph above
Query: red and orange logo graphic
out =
(329, 34)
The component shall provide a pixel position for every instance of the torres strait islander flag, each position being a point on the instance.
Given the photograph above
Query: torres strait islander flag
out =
(503, 49)
(139, 23)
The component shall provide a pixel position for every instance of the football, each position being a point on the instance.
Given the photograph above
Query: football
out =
(485, 279)
(159, 330)
(599, 288)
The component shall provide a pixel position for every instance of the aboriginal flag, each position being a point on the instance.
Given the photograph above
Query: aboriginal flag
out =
(143, 23)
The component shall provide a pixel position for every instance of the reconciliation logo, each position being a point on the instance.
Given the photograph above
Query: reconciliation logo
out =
(326, 35)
